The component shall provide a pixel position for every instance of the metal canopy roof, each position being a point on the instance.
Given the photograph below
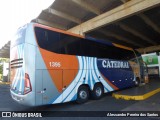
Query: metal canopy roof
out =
(139, 30)
(66, 14)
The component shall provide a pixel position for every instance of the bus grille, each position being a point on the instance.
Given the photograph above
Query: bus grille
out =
(17, 63)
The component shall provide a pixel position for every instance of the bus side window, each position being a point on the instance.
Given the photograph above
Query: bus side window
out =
(46, 35)
(66, 44)
(53, 41)
(48, 40)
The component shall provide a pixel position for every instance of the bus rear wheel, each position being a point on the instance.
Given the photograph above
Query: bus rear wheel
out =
(97, 92)
(83, 94)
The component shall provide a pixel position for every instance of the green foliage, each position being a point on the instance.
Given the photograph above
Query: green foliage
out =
(1, 69)
(4, 60)
(0, 77)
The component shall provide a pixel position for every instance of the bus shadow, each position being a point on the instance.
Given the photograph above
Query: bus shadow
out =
(53, 107)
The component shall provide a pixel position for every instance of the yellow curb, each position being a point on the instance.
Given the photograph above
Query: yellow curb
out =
(139, 97)
(6, 83)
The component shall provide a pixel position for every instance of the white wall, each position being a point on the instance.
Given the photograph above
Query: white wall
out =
(5, 69)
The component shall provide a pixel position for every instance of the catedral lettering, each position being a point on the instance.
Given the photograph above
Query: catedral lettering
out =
(114, 64)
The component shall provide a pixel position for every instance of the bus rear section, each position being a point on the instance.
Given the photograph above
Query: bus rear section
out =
(22, 67)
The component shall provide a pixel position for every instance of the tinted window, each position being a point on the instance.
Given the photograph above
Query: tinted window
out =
(66, 44)
(47, 40)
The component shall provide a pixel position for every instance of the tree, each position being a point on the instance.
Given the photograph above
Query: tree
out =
(2, 60)
(1, 69)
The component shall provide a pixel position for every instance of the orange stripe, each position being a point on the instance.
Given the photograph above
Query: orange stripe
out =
(113, 86)
(65, 73)
(57, 30)
(123, 47)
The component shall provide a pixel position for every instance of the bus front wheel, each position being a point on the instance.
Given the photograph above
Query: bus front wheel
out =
(83, 94)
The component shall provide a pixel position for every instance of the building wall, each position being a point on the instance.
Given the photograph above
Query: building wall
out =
(5, 72)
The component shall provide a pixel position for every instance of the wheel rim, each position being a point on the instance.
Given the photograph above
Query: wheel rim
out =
(98, 91)
(136, 82)
(83, 94)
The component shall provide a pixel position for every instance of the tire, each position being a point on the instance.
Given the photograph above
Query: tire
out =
(83, 94)
(137, 82)
(97, 92)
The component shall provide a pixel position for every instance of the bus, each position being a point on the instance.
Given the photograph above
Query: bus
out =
(50, 66)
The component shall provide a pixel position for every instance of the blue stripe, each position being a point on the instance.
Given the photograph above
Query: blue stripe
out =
(18, 84)
(74, 97)
(54, 99)
(93, 73)
(99, 40)
(85, 69)
(89, 69)
(97, 75)
(17, 75)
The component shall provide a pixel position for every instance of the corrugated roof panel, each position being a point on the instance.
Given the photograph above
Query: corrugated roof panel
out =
(54, 19)
(69, 7)
(139, 25)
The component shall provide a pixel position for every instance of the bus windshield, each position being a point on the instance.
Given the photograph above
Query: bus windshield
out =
(19, 37)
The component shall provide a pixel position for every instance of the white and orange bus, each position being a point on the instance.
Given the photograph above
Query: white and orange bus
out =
(51, 66)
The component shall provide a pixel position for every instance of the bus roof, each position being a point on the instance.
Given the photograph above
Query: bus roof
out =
(85, 37)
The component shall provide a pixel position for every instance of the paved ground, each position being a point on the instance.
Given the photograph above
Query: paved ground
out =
(107, 103)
